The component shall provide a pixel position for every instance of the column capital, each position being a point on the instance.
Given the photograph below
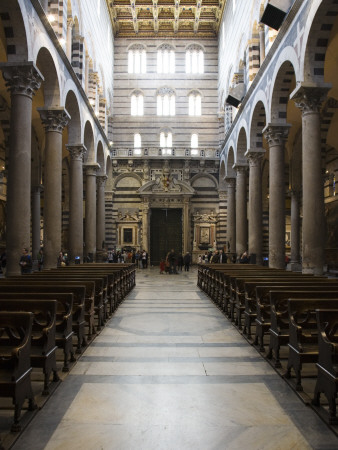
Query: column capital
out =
(54, 119)
(101, 180)
(76, 152)
(91, 168)
(22, 78)
(309, 97)
(231, 182)
(222, 195)
(70, 22)
(276, 133)
(254, 156)
(240, 167)
(37, 189)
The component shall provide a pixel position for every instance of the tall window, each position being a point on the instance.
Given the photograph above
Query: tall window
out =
(136, 104)
(194, 144)
(165, 59)
(165, 102)
(166, 142)
(137, 144)
(195, 104)
(194, 60)
(137, 60)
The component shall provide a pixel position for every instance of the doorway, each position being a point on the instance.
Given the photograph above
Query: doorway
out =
(165, 233)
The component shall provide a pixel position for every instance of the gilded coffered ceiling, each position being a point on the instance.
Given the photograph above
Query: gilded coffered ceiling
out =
(166, 18)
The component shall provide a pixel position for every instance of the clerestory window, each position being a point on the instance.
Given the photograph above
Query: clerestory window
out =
(194, 60)
(137, 60)
(165, 102)
(195, 104)
(165, 59)
(136, 104)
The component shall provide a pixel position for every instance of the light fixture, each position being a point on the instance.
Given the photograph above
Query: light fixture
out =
(236, 95)
(275, 12)
(92, 102)
(62, 41)
(51, 18)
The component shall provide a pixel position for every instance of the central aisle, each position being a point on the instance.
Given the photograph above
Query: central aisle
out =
(170, 372)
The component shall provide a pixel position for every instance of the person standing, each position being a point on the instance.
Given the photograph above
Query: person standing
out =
(186, 261)
(40, 259)
(173, 261)
(25, 262)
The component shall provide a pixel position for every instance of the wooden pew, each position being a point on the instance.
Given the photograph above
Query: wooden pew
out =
(303, 342)
(43, 348)
(237, 289)
(327, 365)
(81, 306)
(15, 365)
(98, 291)
(279, 316)
(257, 295)
(64, 319)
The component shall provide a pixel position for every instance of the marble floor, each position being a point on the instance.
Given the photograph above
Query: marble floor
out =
(170, 372)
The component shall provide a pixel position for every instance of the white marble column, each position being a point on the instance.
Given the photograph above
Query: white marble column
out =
(221, 238)
(241, 209)
(295, 230)
(70, 24)
(54, 120)
(75, 240)
(255, 203)
(101, 216)
(90, 228)
(309, 99)
(36, 219)
(186, 225)
(276, 135)
(145, 226)
(22, 81)
(231, 214)
(261, 29)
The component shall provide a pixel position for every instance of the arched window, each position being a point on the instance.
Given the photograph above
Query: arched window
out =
(166, 142)
(194, 60)
(136, 104)
(165, 59)
(194, 144)
(137, 59)
(165, 102)
(195, 104)
(137, 144)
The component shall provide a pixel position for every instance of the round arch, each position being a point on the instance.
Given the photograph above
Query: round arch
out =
(74, 124)
(51, 85)
(89, 142)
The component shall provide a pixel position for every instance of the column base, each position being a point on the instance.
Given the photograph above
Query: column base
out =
(295, 267)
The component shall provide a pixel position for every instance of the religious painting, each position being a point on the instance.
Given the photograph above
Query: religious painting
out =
(204, 235)
(127, 235)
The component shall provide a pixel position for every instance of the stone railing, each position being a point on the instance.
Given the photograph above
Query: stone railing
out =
(160, 152)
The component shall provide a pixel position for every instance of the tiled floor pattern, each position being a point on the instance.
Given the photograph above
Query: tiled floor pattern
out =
(170, 372)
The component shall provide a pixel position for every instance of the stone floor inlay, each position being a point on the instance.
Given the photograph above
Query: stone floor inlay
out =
(170, 372)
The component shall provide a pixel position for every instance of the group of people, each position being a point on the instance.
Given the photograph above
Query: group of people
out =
(218, 256)
(139, 257)
(174, 263)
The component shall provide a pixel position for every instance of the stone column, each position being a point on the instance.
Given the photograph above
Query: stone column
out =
(36, 218)
(276, 135)
(231, 214)
(145, 226)
(309, 99)
(22, 80)
(44, 4)
(54, 121)
(221, 238)
(70, 24)
(295, 230)
(241, 209)
(90, 228)
(100, 217)
(186, 226)
(255, 203)
(75, 241)
(261, 43)
(86, 77)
